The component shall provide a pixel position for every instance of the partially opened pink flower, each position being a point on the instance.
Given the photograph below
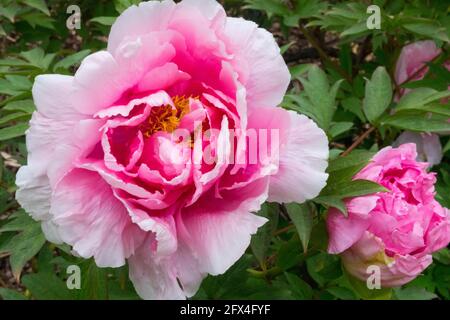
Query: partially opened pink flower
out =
(413, 59)
(397, 230)
(155, 150)
(411, 66)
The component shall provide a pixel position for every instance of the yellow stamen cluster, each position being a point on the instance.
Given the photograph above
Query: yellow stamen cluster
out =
(167, 118)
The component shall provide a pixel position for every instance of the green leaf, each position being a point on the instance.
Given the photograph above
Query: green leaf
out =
(342, 293)
(356, 188)
(300, 288)
(378, 95)
(354, 105)
(355, 29)
(356, 158)
(38, 19)
(318, 99)
(364, 292)
(261, 240)
(428, 29)
(26, 106)
(45, 286)
(12, 117)
(13, 62)
(420, 122)
(446, 147)
(37, 58)
(9, 294)
(69, 61)
(302, 216)
(443, 256)
(122, 5)
(37, 4)
(298, 70)
(26, 244)
(10, 11)
(15, 131)
(286, 47)
(414, 293)
(270, 7)
(332, 202)
(420, 98)
(106, 21)
(94, 282)
(338, 128)
(324, 268)
(289, 254)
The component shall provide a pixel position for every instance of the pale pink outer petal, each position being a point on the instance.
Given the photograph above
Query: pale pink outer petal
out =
(51, 125)
(139, 20)
(92, 220)
(303, 162)
(154, 278)
(258, 61)
(429, 148)
(346, 231)
(98, 83)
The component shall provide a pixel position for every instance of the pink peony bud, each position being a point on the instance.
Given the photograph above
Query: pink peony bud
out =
(397, 230)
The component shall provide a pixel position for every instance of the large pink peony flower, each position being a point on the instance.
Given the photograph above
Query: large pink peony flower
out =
(396, 230)
(155, 150)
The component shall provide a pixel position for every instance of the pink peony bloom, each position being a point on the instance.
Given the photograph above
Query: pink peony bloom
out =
(397, 230)
(119, 164)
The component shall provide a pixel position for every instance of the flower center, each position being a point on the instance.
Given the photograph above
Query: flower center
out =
(167, 118)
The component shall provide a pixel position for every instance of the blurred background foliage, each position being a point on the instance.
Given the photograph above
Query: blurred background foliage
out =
(340, 70)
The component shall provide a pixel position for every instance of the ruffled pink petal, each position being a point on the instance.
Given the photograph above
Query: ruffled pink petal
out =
(218, 231)
(343, 231)
(90, 219)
